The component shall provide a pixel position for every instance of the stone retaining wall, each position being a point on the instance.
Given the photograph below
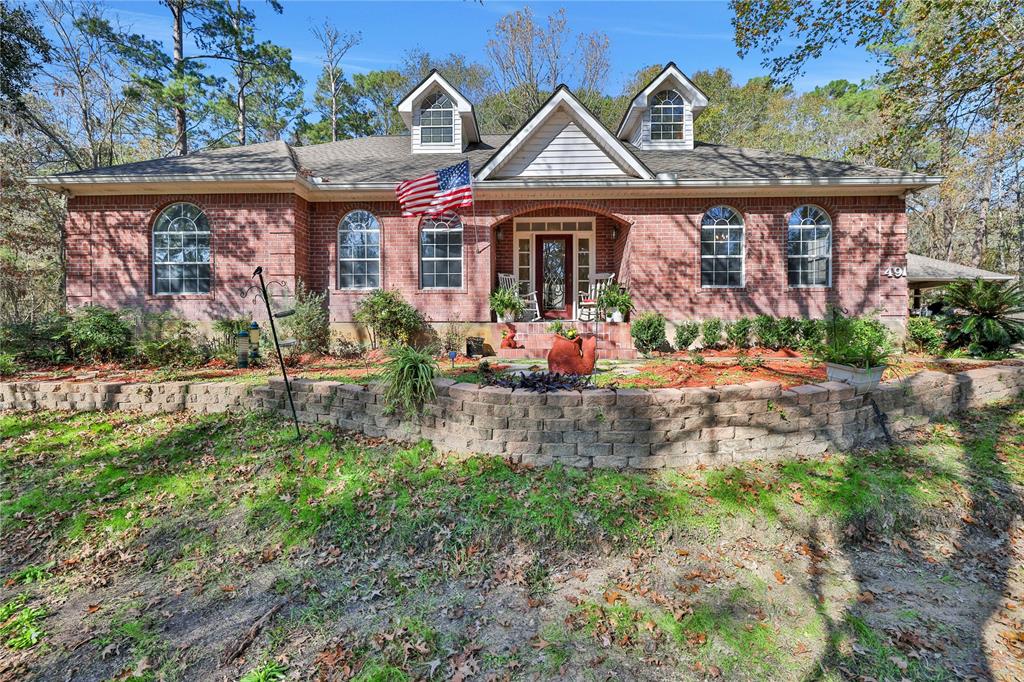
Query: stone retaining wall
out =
(638, 429)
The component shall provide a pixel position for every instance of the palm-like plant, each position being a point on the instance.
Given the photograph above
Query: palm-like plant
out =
(984, 316)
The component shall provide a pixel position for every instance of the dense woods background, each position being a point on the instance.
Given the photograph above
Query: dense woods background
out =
(87, 92)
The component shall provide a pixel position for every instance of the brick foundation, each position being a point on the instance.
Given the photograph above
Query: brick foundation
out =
(634, 429)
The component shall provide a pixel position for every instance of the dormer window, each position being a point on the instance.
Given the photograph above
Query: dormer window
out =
(437, 120)
(668, 116)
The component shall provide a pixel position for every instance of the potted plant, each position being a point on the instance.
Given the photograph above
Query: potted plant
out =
(506, 304)
(855, 350)
(616, 302)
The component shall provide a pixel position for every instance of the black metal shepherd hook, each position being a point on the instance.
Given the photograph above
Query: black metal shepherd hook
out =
(277, 346)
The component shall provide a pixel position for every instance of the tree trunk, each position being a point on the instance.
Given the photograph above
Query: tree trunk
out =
(180, 121)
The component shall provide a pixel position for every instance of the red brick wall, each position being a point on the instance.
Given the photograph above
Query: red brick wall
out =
(657, 252)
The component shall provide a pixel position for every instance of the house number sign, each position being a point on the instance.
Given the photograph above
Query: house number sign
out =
(896, 272)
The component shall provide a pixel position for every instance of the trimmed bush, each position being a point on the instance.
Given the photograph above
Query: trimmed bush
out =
(648, 331)
(99, 334)
(310, 325)
(738, 332)
(686, 334)
(924, 335)
(711, 332)
(389, 318)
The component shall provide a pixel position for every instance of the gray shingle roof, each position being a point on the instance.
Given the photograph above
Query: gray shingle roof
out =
(924, 272)
(390, 159)
(263, 158)
(385, 159)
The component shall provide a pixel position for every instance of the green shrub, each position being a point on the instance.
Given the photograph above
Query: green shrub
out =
(42, 340)
(788, 332)
(8, 365)
(100, 334)
(985, 316)
(168, 341)
(614, 298)
(648, 332)
(856, 341)
(408, 379)
(738, 332)
(711, 332)
(310, 326)
(686, 334)
(506, 302)
(924, 335)
(811, 333)
(453, 337)
(766, 329)
(389, 318)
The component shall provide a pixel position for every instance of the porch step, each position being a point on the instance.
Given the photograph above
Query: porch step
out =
(613, 340)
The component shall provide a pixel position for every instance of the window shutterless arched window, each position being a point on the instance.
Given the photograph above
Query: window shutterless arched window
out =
(359, 251)
(721, 248)
(809, 247)
(667, 116)
(181, 251)
(441, 252)
(437, 119)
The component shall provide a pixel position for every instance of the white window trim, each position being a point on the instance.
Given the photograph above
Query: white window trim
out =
(785, 249)
(743, 258)
(420, 258)
(152, 252)
(518, 233)
(379, 259)
(681, 123)
(451, 126)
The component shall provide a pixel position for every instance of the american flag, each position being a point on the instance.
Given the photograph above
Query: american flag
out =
(438, 192)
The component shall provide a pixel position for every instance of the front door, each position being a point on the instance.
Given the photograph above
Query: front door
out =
(554, 275)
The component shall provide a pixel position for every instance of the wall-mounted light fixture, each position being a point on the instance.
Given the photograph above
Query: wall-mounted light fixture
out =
(499, 233)
(615, 232)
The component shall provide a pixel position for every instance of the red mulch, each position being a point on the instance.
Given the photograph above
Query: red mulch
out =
(688, 375)
(733, 352)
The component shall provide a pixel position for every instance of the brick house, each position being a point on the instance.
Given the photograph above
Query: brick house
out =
(693, 230)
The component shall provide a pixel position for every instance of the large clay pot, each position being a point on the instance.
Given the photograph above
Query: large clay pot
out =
(573, 356)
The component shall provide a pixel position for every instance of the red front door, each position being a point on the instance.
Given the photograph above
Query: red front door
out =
(553, 269)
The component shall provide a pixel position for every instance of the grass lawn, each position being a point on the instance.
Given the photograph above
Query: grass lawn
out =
(185, 548)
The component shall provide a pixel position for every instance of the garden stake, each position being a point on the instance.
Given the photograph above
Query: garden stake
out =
(277, 346)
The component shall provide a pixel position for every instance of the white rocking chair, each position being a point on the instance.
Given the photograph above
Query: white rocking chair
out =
(587, 302)
(531, 304)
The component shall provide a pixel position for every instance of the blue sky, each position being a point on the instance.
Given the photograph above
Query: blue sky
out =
(696, 35)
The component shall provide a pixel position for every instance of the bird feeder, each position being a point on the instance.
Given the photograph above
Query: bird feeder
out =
(242, 347)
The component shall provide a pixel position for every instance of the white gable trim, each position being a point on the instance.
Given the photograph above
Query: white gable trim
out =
(564, 100)
(435, 81)
(694, 96)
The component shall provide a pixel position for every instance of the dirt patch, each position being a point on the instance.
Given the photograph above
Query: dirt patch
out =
(688, 374)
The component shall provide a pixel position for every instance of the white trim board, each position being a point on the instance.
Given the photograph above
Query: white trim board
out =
(564, 101)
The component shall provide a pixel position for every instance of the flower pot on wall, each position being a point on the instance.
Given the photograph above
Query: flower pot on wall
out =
(617, 316)
(857, 377)
(507, 318)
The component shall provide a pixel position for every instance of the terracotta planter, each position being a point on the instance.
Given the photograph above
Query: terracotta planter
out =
(573, 356)
(857, 377)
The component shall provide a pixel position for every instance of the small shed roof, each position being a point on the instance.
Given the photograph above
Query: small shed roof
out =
(927, 273)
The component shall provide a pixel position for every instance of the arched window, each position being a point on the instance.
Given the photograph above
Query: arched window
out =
(809, 247)
(436, 119)
(181, 251)
(441, 252)
(359, 251)
(667, 116)
(721, 248)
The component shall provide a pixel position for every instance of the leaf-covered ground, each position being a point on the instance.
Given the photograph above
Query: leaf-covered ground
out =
(186, 548)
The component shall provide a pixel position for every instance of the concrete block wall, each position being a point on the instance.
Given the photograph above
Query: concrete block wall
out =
(625, 429)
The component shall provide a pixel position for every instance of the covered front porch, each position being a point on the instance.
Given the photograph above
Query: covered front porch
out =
(554, 257)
